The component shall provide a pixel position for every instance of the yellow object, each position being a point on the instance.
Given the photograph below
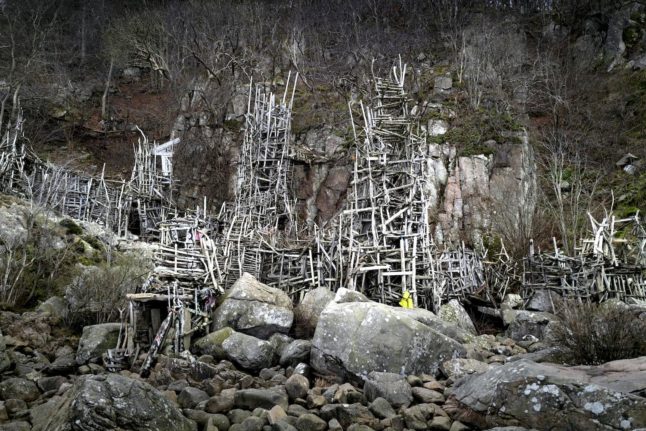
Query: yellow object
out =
(407, 300)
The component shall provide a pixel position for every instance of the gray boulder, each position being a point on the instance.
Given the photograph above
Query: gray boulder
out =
(346, 295)
(111, 402)
(254, 309)
(296, 352)
(96, 340)
(457, 368)
(546, 396)
(211, 344)
(249, 352)
(453, 312)
(523, 324)
(251, 399)
(19, 389)
(313, 304)
(392, 387)
(361, 337)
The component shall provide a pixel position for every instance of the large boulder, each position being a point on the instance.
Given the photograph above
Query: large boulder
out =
(211, 344)
(360, 337)
(453, 312)
(547, 396)
(96, 340)
(249, 352)
(111, 402)
(312, 305)
(255, 309)
(523, 324)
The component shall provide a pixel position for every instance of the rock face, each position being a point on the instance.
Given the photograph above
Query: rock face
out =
(254, 309)
(545, 396)
(95, 340)
(113, 402)
(360, 337)
(249, 352)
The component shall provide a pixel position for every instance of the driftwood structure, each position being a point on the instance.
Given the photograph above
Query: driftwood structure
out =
(380, 243)
(606, 265)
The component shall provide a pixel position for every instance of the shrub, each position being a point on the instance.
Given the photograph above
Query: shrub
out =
(593, 334)
(98, 293)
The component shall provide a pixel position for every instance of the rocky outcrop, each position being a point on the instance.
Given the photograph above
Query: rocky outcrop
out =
(545, 396)
(361, 337)
(112, 402)
(476, 193)
(254, 309)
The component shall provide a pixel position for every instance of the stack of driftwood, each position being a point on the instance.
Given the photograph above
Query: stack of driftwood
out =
(610, 264)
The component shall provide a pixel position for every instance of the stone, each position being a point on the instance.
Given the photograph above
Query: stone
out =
(189, 397)
(459, 426)
(382, 408)
(440, 423)
(222, 402)
(237, 416)
(443, 83)
(16, 426)
(221, 422)
(424, 395)
(211, 344)
(344, 295)
(457, 368)
(541, 300)
(437, 127)
(46, 384)
(347, 414)
(14, 406)
(315, 401)
(62, 365)
(276, 413)
(280, 343)
(297, 386)
(252, 423)
(112, 401)
(296, 410)
(5, 360)
(310, 422)
(283, 425)
(263, 398)
(416, 417)
(453, 312)
(312, 305)
(548, 396)
(248, 352)
(348, 394)
(96, 340)
(361, 337)
(394, 388)
(360, 427)
(334, 425)
(254, 309)
(523, 323)
(20, 389)
(297, 351)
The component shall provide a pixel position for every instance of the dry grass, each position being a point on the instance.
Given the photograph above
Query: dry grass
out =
(597, 333)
